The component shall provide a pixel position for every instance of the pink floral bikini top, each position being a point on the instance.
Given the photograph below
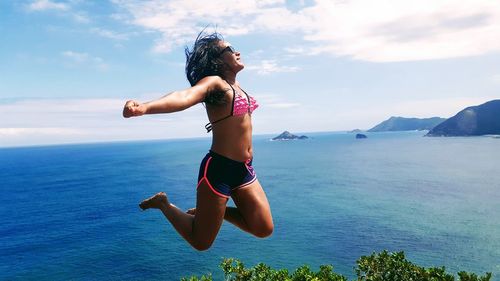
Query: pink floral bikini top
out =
(240, 106)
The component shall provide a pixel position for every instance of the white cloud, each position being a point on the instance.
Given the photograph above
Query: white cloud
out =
(353, 115)
(495, 78)
(53, 121)
(57, 108)
(435, 107)
(264, 3)
(283, 105)
(380, 31)
(45, 121)
(297, 50)
(25, 132)
(77, 58)
(118, 17)
(401, 30)
(275, 100)
(44, 5)
(109, 34)
(271, 66)
(63, 9)
(178, 21)
(80, 17)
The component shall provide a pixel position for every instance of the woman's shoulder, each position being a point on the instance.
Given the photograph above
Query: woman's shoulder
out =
(219, 91)
(213, 82)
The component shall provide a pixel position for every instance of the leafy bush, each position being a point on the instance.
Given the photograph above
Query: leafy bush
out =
(395, 267)
(234, 270)
(383, 266)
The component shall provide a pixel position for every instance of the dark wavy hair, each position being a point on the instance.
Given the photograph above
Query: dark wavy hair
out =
(204, 59)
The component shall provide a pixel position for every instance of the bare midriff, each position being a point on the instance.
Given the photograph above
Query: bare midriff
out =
(232, 138)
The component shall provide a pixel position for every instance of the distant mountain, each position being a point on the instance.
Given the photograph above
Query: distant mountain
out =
(478, 120)
(286, 135)
(407, 124)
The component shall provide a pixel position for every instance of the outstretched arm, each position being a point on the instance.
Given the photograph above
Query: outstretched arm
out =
(175, 101)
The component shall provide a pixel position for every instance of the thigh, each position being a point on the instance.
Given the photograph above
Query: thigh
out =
(252, 203)
(210, 209)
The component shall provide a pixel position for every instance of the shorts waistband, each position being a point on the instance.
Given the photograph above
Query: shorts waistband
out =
(217, 155)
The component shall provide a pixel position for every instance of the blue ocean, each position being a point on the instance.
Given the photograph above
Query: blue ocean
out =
(70, 212)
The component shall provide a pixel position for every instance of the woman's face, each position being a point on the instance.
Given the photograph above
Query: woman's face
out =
(231, 57)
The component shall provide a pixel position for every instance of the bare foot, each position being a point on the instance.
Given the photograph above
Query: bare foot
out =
(155, 201)
(191, 211)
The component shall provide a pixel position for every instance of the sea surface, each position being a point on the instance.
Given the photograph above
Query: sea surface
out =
(70, 212)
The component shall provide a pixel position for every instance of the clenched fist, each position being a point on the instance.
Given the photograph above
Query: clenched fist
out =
(133, 108)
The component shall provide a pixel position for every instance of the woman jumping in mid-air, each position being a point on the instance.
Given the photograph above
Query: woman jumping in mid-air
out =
(226, 171)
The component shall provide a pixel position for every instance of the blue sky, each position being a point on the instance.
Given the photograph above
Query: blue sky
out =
(67, 67)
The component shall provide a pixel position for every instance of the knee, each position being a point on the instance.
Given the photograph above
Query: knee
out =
(202, 246)
(264, 231)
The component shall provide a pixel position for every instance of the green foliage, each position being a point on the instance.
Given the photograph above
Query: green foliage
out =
(383, 266)
(235, 270)
(203, 278)
(395, 267)
(465, 276)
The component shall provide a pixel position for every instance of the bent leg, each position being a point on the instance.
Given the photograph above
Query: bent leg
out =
(252, 213)
(199, 230)
(232, 215)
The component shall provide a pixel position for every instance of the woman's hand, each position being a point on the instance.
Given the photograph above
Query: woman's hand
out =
(133, 108)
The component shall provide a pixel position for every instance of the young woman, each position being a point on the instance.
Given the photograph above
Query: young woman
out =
(226, 171)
